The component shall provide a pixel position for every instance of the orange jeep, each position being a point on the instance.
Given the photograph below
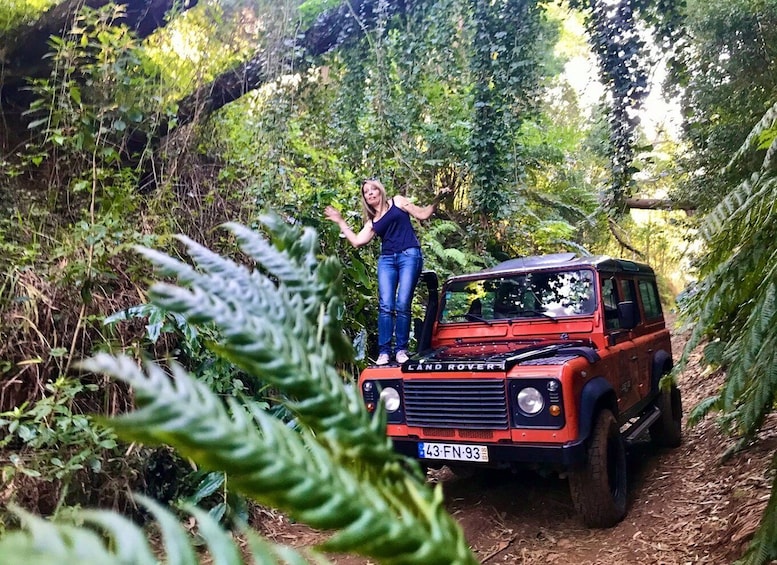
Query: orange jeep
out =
(550, 361)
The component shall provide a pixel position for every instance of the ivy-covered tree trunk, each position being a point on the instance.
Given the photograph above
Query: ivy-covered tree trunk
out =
(505, 73)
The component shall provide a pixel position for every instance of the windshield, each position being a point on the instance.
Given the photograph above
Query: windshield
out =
(528, 295)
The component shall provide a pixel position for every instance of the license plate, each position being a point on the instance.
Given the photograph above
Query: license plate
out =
(453, 452)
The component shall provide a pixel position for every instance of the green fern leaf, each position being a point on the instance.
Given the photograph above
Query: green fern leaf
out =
(107, 538)
(282, 330)
(703, 408)
(270, 463)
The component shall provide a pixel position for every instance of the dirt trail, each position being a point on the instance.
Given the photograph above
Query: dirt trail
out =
(685, 505)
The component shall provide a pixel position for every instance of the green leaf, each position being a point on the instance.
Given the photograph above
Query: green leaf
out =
(207, 486)
(37, 123)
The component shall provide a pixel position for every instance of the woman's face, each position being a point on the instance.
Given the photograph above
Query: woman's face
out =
(372, 195)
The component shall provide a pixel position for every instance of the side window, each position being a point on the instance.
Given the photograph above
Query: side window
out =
(610, 304)
(627, 290)
(649, 295)
(628, 293)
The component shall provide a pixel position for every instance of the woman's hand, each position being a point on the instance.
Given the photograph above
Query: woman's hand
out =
(333, 214)
(444, 191)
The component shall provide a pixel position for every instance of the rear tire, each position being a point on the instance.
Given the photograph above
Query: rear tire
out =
(598, 488)
(668, 429)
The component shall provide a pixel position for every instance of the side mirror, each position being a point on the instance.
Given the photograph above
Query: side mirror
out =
(628, 315)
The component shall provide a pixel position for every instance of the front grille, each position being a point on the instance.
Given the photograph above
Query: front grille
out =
(476, 434)
(473, 404)
(439, 432)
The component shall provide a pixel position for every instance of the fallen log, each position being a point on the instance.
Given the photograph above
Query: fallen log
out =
(658, 204)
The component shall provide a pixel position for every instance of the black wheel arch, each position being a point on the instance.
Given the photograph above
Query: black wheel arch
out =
(662, 364)
(596, 395)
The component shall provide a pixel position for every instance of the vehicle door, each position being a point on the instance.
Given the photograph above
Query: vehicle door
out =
(651, 335)
(642, 342)
(620, 346)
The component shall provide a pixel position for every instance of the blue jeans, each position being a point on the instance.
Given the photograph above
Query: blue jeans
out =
(397, 278)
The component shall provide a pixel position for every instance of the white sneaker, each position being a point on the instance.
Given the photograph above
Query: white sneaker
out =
(402, 356)
(382, 359)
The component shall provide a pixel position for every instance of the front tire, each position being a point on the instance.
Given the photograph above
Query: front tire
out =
(598, 488)
(668, 429)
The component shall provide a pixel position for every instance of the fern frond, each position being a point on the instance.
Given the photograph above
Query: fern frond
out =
(732, 205)
(444, 256)
(279, 325)
(767, 121)
(110, 539)
(703, 408)
(275, 465)
(771, 153)
(736, 303)
(751, 356)
(293, 266)
(763, 548)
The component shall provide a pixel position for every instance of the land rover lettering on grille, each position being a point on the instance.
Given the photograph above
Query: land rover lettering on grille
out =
(553, 362)
(413, 367)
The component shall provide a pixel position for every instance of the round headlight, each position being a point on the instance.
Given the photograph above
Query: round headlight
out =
(530, 401)
(390, 398)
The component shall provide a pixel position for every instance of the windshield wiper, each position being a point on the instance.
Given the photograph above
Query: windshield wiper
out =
(476, 318)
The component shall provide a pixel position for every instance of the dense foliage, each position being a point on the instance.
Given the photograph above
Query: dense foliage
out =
(727, 92)
(97, 154)
(728, 100)
(83, 179)
(281, 322)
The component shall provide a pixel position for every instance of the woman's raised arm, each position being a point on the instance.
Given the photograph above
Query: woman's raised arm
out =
(364, 236)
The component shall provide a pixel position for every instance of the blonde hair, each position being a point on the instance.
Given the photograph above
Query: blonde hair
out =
(368, 212)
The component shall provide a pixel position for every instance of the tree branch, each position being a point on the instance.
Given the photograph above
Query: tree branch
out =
(25, 47)
(658, 204)
(333, 28)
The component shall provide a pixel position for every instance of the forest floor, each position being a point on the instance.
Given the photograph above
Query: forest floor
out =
(686, 505)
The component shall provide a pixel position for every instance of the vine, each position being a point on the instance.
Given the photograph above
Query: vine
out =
(505, 72)
(620, 47)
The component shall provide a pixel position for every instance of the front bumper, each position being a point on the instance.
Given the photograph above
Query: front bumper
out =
(567, 454)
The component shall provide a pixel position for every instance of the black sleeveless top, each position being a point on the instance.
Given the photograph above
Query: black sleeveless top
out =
(395, 231)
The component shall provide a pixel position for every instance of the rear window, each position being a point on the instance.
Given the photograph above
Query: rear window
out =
(649, 295)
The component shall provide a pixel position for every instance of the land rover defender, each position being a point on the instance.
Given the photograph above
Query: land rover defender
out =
(550, 361)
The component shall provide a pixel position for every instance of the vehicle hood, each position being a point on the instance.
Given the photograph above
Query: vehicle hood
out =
(499, 356)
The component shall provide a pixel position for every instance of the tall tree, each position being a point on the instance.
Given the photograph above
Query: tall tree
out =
(727, 79)
(25, 47)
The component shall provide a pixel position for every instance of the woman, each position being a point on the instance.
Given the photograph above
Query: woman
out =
(400, 261)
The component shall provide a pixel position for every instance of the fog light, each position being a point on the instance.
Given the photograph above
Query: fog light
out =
(554, 409)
